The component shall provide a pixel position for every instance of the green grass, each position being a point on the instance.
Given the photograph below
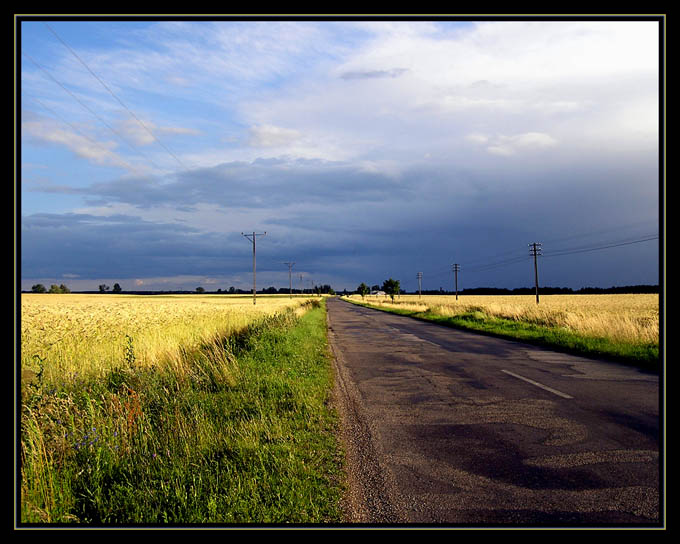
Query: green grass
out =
(248, 438)
(645, 356)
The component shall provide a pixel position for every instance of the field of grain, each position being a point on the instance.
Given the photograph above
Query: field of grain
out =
(174, 409)
(630, 318)
(75, 335)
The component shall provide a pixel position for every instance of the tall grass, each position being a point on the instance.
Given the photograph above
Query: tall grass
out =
(229, 428)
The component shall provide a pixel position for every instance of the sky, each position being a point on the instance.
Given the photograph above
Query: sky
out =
(365, 149)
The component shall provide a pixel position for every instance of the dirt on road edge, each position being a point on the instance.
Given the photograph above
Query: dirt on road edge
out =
(367, 497)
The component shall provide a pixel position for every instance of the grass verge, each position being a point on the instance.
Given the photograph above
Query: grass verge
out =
(641, 355)
(246, 437)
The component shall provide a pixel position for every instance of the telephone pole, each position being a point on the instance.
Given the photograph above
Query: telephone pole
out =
(456, 268)
(290, 278)
(419, 275)
(254, 235)
(535, 251)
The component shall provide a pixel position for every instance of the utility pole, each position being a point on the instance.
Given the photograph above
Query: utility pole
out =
(456, 268)
(290, 278)
(419, 275)
(254, 236)
(535, 251)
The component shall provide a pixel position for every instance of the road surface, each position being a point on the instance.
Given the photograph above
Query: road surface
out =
(448, 427)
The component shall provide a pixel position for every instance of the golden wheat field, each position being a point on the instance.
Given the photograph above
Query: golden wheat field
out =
(621, 317)
(77, 334)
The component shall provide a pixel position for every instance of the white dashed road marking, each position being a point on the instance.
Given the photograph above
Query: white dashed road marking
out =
(537, 384)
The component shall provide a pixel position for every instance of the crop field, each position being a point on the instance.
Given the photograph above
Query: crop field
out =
(623, 320)
(88, 335)
(175, 410)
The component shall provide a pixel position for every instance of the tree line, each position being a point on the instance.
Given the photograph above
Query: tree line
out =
(61, 289)
(624, 289)
(40, 288)
(324, 289)
(391, 287)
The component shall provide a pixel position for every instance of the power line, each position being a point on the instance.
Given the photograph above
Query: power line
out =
(77, 131)
(114, 96)
(554, 253)
(85, 106)
(559, 253)
(598, 232)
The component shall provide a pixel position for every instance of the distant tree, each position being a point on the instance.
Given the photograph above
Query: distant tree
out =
(391, 287)
(375, 288)
(38, 288)
(232, 290)
(58, 289)
(117, 288)
(363, 289)
(103, 288)
(200, 290)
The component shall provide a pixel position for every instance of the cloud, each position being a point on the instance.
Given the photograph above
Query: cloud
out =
(366, 148)
(374, 74)
(272, 136)
(98, 246)
(263, 183)
(477, 138)
(97, 152)
(507, 146)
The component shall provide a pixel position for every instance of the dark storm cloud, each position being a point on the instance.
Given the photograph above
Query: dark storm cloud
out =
(264, 183)
(123, 246)
(346, 225)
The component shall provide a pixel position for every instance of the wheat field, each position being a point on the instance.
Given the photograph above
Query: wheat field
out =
(79, 335)
(622, 317)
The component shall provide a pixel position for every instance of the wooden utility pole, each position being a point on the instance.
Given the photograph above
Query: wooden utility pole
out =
(254, 236)
(419, 275)
(535, 251)
(290, 278)
(456, 268)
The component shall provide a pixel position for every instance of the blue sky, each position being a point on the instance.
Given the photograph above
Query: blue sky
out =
(365, 149)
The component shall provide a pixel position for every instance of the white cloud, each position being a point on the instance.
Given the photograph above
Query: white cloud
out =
(145, 132)
(502, 150)
(272, 136)
(517, 143)
(489, 78)
(477, 138)
(98, 152)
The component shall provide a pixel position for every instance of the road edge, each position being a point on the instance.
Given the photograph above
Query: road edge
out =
(367, 497)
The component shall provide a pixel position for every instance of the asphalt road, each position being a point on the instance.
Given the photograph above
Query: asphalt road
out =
(447, 427)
